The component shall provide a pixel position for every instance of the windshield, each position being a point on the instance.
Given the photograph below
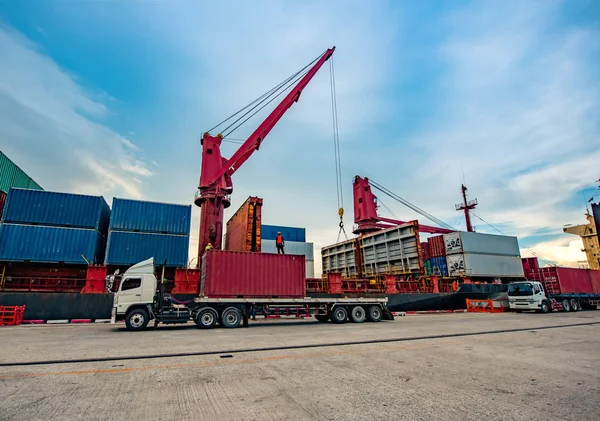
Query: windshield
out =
(520, 289)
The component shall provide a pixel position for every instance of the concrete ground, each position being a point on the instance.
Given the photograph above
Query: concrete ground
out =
(549, 370)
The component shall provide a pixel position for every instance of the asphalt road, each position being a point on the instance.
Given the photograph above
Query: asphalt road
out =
(548, 370)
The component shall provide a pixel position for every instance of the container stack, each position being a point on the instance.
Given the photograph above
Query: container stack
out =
(434, 256)
(49, 227)
(13, 176)
(139, 230)
(483, 255)
(244, 227)
(295, 244)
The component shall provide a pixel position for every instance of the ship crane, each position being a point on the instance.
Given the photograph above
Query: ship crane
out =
(216, 186)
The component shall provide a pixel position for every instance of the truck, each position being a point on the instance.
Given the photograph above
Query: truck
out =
(140, 297)
(555, 288)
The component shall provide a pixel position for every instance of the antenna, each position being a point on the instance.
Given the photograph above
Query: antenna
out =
(466, 206)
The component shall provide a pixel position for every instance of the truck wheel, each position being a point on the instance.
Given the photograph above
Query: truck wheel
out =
(323, 318)
(339, 315)
(206, 318)
(374, 314)
(137, 319)
(574, 305)
(358, 314)
(231, 318)
(566, 306)
(545, 308)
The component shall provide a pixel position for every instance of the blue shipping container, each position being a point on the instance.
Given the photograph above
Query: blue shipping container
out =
(139, 216)
(127, 248)
(439, 266)
(41, 244)
(39, 207)
(269, 232)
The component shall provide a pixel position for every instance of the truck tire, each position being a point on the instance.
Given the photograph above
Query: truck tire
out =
(231, 318)
(574, 305)
(545, 308)
(339, 315)
(137, 319)
(323, 318)
(566, 305)
(374, 314)
(206, 318)
(358, 314)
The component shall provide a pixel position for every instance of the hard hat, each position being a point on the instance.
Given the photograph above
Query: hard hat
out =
(278, 232)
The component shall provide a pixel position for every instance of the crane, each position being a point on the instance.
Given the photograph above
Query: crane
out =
(365, 212)
(215, 187)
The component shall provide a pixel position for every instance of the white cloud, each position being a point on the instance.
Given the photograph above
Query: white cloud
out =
(564, 252)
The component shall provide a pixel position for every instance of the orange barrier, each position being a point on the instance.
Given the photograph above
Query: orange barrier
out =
(11, 315)
(483, 306)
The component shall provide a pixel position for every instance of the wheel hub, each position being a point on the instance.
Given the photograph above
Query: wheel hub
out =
(136, 320)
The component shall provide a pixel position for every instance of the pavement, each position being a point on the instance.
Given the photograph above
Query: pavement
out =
(442, 366)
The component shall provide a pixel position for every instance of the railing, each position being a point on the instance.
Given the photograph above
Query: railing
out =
(42, 284)
(11, 315)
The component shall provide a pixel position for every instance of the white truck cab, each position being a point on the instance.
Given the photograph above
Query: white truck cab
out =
(528, 295)
(137, 288)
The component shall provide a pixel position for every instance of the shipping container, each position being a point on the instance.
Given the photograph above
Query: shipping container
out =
(562, 280)
(13, 176)
(425, 250)
(150, 217)
(474, 242)
(269, 232)
(530, 263)
(436, 246)
(439, 266)
(38, 207)
(391, 251)
(127, 248)
(427, 267)
(484, 265)
(342, 258)
(243, 274)
(291, 247)
(595, 280)
(244, 227)
(40, 244)
(2, 202)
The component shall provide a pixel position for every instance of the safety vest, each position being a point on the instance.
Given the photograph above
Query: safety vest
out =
(279, 239)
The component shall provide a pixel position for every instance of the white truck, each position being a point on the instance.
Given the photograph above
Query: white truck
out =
(140, 298)
(532, 295)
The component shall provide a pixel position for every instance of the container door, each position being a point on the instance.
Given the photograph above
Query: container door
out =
(130, 292)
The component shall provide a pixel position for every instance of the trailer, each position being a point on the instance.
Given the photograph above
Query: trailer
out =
(140, 299)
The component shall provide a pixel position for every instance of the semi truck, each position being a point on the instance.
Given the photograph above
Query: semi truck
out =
(555, 289)
(140, 296)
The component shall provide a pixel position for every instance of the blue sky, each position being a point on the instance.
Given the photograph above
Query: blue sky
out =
(111, 98)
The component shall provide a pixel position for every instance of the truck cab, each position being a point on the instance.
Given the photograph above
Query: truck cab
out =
(528, 295)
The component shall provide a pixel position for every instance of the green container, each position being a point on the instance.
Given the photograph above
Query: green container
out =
(428, 267)
(13, 176)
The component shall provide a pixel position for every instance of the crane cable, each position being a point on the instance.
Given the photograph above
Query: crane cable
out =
(336, 151)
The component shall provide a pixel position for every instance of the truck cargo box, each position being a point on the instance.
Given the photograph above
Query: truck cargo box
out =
(486, 265)
(269, 232)
(562, 280)
(244, 227)
(39, 244)
(151, 217)
(474, 242)
(128, 248)
(38, 207)
(245, 274)
(295, 248)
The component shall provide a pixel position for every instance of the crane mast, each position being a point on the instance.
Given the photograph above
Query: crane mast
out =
(216, 186)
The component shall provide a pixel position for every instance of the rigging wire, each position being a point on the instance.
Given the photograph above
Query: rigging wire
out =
(388, 209)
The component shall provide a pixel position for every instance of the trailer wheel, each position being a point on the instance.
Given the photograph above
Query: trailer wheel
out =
(574, 305)
(137, 319)
(323, 318)
(358, 314)
(566, 305)
(231, 318)
(374, 314)
(206, 318)
(339, 315)
(545, 308)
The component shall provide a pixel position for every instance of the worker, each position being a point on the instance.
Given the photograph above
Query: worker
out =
(454, 286)
(208, 247)
(280, 243)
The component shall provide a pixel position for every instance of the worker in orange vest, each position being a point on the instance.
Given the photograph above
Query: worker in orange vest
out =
(280, 243)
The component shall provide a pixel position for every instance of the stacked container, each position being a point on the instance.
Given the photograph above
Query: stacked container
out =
(483, 255)
(13, 176)
(139, 230)
(50, 227)
(244, 227)
(295, 244)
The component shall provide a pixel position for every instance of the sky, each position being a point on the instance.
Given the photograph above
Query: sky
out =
(111, 98)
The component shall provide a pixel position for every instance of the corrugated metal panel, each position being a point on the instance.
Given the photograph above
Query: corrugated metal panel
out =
(140, 216)
(233, 274)
(391, 251)
(20, 179)
(474, 242)
(56, 209)
(128, 248)
(425, 250)
(427, 267)
(243, 228)
(310, 268)
(439, 266)
(560, 280)
(436, 246)
(7, 173)
(33, 185)
(341, 258)
(595, 280)
(291, 247)
(50, 244)
(530, 263)
(269, 232)
(2, 202)
(486, 265)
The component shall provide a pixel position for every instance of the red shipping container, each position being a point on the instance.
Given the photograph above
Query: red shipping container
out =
(530, 263)
(95, 280)
(437, 247)
(187, 281)
(243, 228)
(561, 280)
(2, 202)
(243, 274)
(595, 279)
(425, 254)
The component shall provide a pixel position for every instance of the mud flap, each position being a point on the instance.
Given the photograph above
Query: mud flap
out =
(387, 315)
